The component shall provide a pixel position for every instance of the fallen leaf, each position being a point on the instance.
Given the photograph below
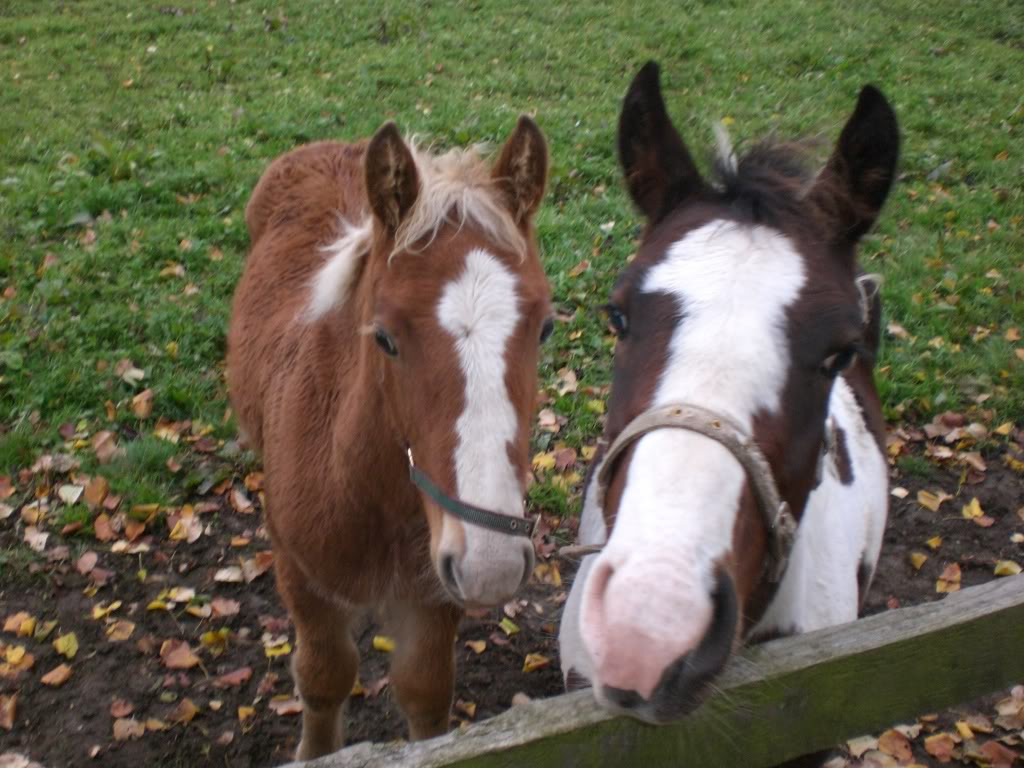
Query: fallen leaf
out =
(535, 661)
(932, 501)
(101, 610)
(8, 710)
(16, 624)
(508, 626)
(240, 502)
(142, 404)
(216, 641)
(222, 607)
(940, 746)
(274, 647)
(125, 729)
(1007, 568)
(121, 708)
(543, 461)
(917, 559)
(477, 646)
(257, 566)
(35, 538)
(230, 575)
(57, 676)
(86, 562)
(285, 705)
(96, 491)
(860, 745)
(234, 678)
(177, 654)
(899, 492)
(567, 383)
(245, 714)
(104, 445)
(66, 645)
(70, 494)
(374, 689)
(383, 644)
(972, 509)
(152, 724)
(104, 531)
(934, 542)
(468, 708)
(949, 581)
(184, 712)
(997, 754)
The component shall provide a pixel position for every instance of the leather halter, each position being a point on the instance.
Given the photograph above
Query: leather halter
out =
(778, 520)
(513, 526)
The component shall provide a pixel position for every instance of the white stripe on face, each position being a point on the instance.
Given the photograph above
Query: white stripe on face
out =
(729, 352)
(480, 309)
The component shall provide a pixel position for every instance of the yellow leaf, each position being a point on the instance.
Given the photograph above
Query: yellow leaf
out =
(932, 501)
(66, 645)
(544, 461)
(100, 610)
(216, 641)
(1004, 429)
(588, 452)
(468, 708)
(357, 689)
(477, 646)
(934, 542)
(245, 713)
(157, 605)
(949, 581)
(1007, 568)
(917, 559)
(280, 649)
(534, 661)
(973, 509)
(597, 406)
(14, 654)
(964, 730)
(383, 644)
(508, 626)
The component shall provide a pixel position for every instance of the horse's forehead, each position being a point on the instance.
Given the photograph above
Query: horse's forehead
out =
(733, 285)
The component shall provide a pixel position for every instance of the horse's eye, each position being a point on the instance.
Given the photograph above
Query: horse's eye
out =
(385, 342)
(546, 330)
(839, 361)
(617, 321)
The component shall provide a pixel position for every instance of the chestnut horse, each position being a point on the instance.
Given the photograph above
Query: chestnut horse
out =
(742, 489)
(383, 358)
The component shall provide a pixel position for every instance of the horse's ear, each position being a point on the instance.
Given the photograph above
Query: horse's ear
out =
(857, 178)
(521, 172)
(658, 168)
(392, 183)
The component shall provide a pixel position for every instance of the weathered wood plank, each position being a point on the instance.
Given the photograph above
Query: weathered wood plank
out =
(777, 701)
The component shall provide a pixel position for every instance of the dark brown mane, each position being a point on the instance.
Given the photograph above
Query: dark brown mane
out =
(768, 185)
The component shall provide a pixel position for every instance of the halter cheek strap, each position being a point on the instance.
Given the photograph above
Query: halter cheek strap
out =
(513, 526)
(779, 521)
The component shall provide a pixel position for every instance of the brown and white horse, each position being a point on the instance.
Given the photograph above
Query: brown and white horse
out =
(742, 492)
(383, 358)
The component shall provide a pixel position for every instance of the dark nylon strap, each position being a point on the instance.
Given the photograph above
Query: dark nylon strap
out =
(514, 526)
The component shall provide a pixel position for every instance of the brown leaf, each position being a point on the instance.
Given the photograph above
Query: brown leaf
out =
(998, 755)
(177, 655)
(222, 607)
(240, 502)
(121, 708)
(8, 710)
(103, 528)
(285, 705)
(57, 676)
(940, 746)
(234, 678)
(894, 743)
(565, 458)
(96, 491)
(949, 580)
(86, 562)
(184, 712)
(142, 404)
(125, 729)
(104, 444)
(257, 566)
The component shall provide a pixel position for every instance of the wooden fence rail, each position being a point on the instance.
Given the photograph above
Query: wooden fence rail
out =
(777, 700)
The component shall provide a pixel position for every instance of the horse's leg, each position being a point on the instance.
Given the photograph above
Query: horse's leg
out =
(325, 663)
(423, 665)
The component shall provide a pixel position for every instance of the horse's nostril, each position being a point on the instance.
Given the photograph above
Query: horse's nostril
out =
(448, 573)
(623, 698)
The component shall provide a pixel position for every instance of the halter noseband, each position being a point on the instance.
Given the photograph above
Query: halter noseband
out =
(513, 526)
(779, 521)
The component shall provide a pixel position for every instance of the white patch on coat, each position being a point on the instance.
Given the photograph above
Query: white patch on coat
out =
(840, 530)
(333, 280)
(729, 353)
(480, 309)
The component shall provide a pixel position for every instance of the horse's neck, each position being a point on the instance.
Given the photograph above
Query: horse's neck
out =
(840, 532)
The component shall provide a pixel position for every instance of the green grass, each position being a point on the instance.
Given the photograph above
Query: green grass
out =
(131, 137)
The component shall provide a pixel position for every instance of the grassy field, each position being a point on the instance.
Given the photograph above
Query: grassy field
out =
(132, 133)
